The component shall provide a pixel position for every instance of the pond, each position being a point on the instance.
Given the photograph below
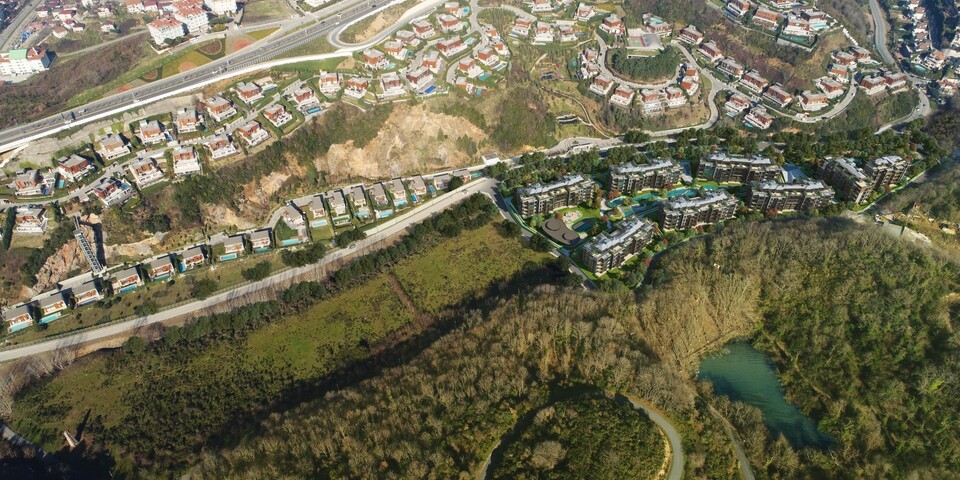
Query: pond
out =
(746, 374)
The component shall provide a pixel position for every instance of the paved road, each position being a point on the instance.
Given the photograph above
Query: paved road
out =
(11, 34)
(922, 110)
(880, 32)
(673, 436)
(223, 68)
(420, 9)
(383, 232)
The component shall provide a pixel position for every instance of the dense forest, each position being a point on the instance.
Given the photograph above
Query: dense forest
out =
(597, 438)
(661, 66)
(861, 327)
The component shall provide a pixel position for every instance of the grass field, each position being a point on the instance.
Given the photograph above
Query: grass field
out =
(304, 346)
(261, 10)
(261, 34)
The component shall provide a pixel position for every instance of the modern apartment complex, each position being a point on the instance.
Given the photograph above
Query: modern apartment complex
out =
(724, 168)
(887, 171)
(846, 178)
(805, 195)
(610, 250)
(709, 207)
(569, 191)
(657, 173)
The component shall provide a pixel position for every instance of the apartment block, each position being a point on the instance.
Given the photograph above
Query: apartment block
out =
(887, 171)
(656, 174)
(569, 191)
(724, 168)
(610, 250)
(849, 181)
(709, 207)
(805, 195)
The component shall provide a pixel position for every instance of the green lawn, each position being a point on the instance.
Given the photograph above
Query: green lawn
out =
(261, 34)
(471, 262)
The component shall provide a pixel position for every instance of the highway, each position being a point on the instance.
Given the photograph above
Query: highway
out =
(11, 35)
(383, 232)
(222, 68)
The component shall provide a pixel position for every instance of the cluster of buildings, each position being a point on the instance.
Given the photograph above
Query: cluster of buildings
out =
(855, 184)
(782, 16)
(335, 207)
(652, 101)
(538, 199)
(179, 18)
(916, 45)
(417, 56)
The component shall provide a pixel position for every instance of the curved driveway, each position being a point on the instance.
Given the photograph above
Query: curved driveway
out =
(673, 436)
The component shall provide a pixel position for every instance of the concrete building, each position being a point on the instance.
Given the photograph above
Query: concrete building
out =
(709, 207)
(805, 195)
(611, 250)
(567, 192)
(24, 61)
(655, 174)
(724, 168)
(849, 181)
(886, 172)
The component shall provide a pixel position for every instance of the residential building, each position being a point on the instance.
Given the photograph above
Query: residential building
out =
(754, 82)
(231, 248)
(707, 208)
(126, 280)
(849, 181)
(623, 96)
(674, 97)
(843, 58)
(30, 220)
(192, 16)
(166, 28)
(185, 161)
(657, 25)
(160, 268)
(651, 101)
(463, 174)
(329, 85)
(543, 33)
(640, 40)
(379, 195)
(584, 12)
(52, 306)
(30, 183)
(74, 167)
(895, 80)
(24, 61)
(690, 85)
(192, 258)
(758, 117)
(690, 35)
(441, 181)
(813, 101)
(613, 25)
(738, 8)
(731, 67)
(829, 87)
(374, 59)
(219, 108)
(797, 27)
(737, 103)
(260, 240)
(450, 23)
(395, 49)
(488, 56)
(249, 92)
(357, 87)
(521, 27)
(449, 47)
(886, 172)
(468, 66)
(397, 192)
(420, 78)
(111, 192)
(873, 85)
(150, 132)
(221, 7)
(87, 293)
(655, 174)
(839, 72)
(423, 29)
(252, 133)
(816, 19)
(113, 147)
(418, 188)
(359, 201)
(432, 61)
(567, 33)
(277, 115)
(220, 146)
(766, 18)
(145, 172)
(723, 168)
(601, 85)
(317, 213)
(391, 85)
(187, 120)
(338, 207)
(710, 51)
(805, 195)
(776, 94)
(541, 6)
(607, 251)
(571, 190)
(18, 318)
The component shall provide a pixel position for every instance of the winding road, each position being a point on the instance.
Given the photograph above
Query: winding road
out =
(880, 33)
